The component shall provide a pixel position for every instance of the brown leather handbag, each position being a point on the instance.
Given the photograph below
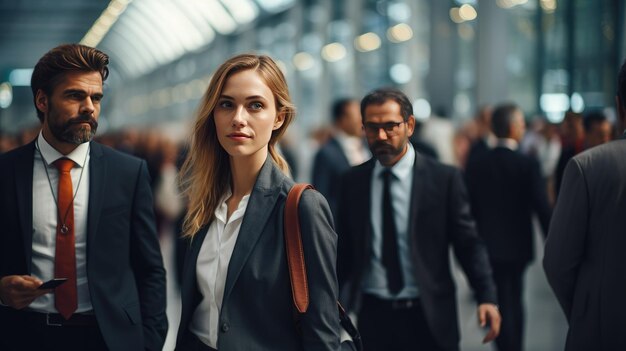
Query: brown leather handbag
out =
(297, 268)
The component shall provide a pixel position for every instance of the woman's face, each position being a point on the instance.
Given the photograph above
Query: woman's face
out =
(245, 116)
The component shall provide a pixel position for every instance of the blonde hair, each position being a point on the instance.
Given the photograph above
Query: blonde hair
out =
(205, 175)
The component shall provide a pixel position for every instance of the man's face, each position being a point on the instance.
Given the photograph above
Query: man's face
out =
(386, 131)
(600, 133)
(518, 126)
(351, 122)
(71, 111)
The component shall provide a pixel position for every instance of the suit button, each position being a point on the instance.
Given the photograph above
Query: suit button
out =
(225, 327)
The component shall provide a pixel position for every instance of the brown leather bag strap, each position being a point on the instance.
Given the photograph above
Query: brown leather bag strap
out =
(295, 252)
(297, 267)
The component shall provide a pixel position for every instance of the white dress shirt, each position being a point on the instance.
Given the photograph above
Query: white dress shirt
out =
(375, 281)
(508, 143)
(353, 147)
(212, 268)
(45, 220)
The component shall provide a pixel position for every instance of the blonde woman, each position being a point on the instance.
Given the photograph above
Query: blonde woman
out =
(236, 292)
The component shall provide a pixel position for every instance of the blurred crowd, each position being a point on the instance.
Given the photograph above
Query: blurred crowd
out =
(552, 144)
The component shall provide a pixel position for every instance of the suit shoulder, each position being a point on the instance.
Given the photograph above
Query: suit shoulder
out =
(527, 160)
(330, 146)
(17, 153)
(610, 152)
(312, 199)
(118, 156)
(439, 168)
(361, 169)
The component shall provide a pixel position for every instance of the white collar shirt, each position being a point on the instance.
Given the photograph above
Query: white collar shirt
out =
(353, 147)
(45, 220)
(212, 268)
(375, 281)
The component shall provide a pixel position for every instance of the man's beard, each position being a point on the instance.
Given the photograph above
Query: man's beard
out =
(385, 152)
(73, 131)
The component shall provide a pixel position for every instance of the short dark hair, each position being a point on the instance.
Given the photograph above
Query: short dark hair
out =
(339, 108)
(501, 119)
(621, 84)
(65, 58)
(593, 118)
(382, 95)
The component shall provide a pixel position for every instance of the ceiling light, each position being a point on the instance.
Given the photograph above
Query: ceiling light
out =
(333, 52)
(467, 12)
(303, 61)
(367, 42)
(399, 33)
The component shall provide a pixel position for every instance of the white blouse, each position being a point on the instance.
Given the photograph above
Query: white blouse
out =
(212, 267)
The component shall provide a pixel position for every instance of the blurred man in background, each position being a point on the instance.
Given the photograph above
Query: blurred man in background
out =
(598, 129)
(345, 148)
(506, 188)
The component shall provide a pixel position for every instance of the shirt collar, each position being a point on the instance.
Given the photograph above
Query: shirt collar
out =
(221, 212)
(402, 168)
(343, 138)
(508, 143)
(50, 154)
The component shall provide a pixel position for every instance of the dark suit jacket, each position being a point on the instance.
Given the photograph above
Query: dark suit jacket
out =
(477, 150)
(505, 188)
(439, 217)
(257, 308)
(585, 256)
(124, 264)
(329, 164)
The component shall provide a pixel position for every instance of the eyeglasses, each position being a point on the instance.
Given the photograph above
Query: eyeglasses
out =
(390, 128)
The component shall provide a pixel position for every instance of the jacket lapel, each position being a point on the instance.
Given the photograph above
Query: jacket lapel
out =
(339, 151)
(366, 241)
(24, 190)
(189, 292)
(260, 206)
(419, 181)
(97, 180)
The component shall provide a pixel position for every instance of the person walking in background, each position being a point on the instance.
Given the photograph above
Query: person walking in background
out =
(485, 139)
(345, 148)
(236, 292)
(572, 143)
(505, 190)
(398, 215)
(584, 255)
(598, 129)
(74, 209)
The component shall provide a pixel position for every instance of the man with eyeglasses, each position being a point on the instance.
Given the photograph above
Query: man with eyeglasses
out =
(398, 215)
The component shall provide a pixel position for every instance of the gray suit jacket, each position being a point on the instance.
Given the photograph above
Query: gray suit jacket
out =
(585, 255)
(257, 308)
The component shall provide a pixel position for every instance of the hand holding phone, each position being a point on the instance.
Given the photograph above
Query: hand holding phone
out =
(52, 283)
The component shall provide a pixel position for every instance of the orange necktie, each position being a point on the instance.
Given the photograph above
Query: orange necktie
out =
(65, 297)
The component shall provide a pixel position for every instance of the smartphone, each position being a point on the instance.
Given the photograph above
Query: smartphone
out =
(52, 283)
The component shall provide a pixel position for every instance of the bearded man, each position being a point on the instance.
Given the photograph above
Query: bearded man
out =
(80, 213)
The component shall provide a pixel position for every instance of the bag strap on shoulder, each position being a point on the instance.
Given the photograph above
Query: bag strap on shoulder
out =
(295, 252)
(297, 266)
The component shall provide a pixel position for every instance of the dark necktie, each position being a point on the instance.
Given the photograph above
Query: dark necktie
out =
(391, 260)
(65, 296)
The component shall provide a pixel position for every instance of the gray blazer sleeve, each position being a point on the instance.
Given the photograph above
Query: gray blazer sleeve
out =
(565, 245)
(320, 324)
